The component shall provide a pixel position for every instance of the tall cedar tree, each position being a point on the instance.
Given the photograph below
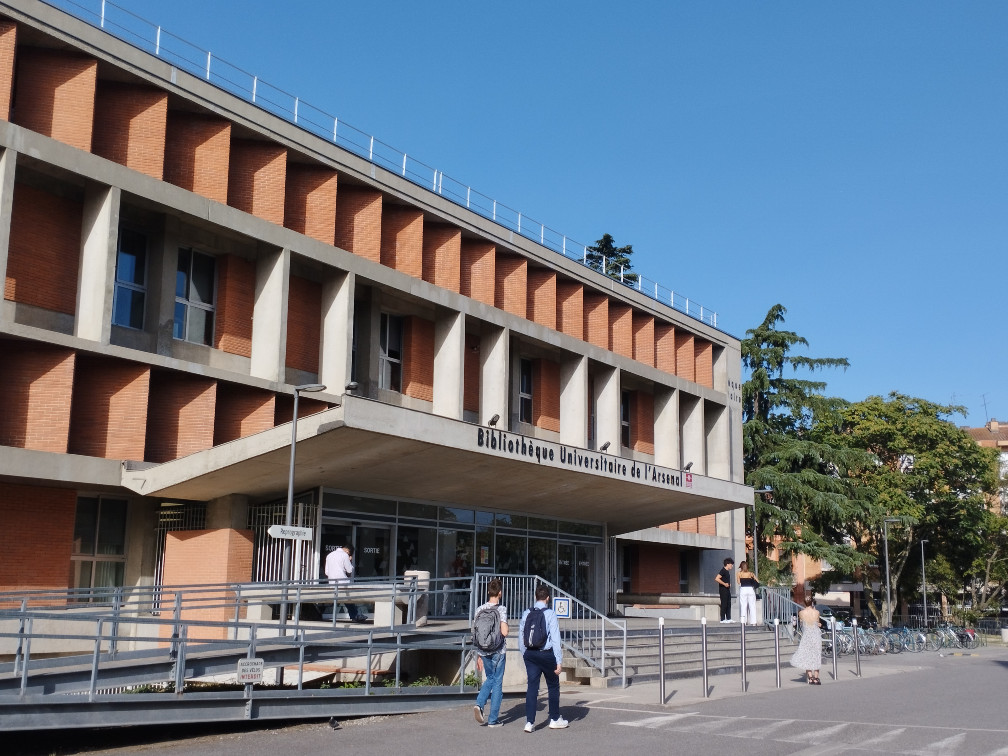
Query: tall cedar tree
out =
(615, 259)
(813, 495)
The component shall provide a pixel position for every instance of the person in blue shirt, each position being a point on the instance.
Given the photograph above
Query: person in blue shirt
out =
(545, 662)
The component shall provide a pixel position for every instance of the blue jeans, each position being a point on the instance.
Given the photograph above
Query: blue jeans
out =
(493, 683)
(541, 663)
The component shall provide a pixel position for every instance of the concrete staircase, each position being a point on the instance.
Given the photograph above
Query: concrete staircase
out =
(683, 654)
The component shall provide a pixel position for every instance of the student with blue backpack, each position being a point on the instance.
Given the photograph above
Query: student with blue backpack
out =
(539, 644)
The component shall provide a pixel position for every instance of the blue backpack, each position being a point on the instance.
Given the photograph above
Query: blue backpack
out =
(535, 634)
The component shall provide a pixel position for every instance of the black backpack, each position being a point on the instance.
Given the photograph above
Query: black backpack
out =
(487, 631)
(535, 634)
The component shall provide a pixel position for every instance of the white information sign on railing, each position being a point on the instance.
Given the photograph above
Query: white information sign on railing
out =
(562, 608)
(291, 531)
(250, 671)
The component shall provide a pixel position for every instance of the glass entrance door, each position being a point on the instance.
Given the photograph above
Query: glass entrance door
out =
(576, 570)
(372, 547)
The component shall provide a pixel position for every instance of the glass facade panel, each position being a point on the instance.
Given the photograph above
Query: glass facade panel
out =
(85, 525)
(455, 551)
(542, 525)
(455, 514)
(484, 549)
(542, 558)
(424, 511)
(112, 527)
(507, 520)
(416, 549)
(511, 554)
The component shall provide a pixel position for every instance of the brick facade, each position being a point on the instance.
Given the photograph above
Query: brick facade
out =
(8, 43)
(37, 537)
(596, 319)
(177, 422)
(665, 348)
(310, 201)
(358, 222)
(257, 175)
(55, 94)
(197, 154)
(109, 412)
(511, 289)
(236, 286)
(546, 394)
(304, 324)
(621, 335)
(685, 356)
(471, 374)
(36, 384)
(44, 250)
(642, 422)
(478, 277)
(130, 126)
(442, 256)
(704, 361)
(542, 297)
(418, 358)
(570, 309)
(644, 343)
(402, 239)
(242, 411)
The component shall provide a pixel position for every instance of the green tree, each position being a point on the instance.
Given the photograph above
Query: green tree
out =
(611, 260)
(813, 494)
(927, 474)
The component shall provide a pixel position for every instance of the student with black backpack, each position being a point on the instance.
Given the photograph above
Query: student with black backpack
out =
(490, 629)
(539, 643)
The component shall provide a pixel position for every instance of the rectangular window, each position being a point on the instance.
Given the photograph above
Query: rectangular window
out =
(195, 283)
(130, 294)
(525, 391)
(625, 419)
(591, 412)
(99, 545)
(390, 360)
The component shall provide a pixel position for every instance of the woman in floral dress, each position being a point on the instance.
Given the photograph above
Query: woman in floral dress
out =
(809, 653)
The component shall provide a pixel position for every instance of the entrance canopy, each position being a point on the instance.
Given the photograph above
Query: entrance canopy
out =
(374, 448)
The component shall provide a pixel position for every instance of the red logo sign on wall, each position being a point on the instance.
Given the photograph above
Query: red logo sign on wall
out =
(688, 480)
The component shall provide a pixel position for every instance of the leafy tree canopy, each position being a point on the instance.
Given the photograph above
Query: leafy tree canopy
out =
(611, 260)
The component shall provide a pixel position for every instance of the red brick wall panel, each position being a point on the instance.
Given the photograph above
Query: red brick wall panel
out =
(257, 177)
(304, 324)
(644, 338)
(130, 126)
(180, 420)
(471, 374)
(197, 154)
(707, 525)
(570, 309)
(36, 539)
(418, 358)
(657, 569)
(55, 94)
(542, 297)
(665, 348)
(207, 557)
(546, 394)
(44, 250)
(685, 357)
(402, 239)
(511, 289)
(310, 201)
(358, 222)
(642, 422)
(442, 256)
(621, 329)
(36, 384)
(242, 411)
(283, 408)
(109, 414)
(478, 277)
(8, 43)
(236, 282)
(596, 319)
(704, 360)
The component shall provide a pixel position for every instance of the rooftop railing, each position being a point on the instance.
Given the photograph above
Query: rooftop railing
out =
(151, 38)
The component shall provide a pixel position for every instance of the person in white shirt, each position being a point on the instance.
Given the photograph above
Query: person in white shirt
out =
(339, 569)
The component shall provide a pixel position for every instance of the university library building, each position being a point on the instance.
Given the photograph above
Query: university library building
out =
(187, 272)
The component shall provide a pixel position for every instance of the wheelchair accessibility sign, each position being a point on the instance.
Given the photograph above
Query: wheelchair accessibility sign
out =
(562, 608)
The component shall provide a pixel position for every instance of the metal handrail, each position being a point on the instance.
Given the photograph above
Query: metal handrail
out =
(151, 38)
(778, 605)
(583, 633)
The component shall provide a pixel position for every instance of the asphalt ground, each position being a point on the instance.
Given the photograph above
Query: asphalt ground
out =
(928, 703)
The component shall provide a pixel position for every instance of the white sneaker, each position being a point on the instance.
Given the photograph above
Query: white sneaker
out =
(528, 727)
(478, 715)
(558, 724)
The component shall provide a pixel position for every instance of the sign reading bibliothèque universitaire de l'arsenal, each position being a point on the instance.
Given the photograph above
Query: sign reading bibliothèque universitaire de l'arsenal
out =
(560, 456)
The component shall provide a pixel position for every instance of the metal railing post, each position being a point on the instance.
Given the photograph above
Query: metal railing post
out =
(116, 609)
(95, 656)
(857, 647)
(744, 685)
(776, 643)
(661, 660)
(703, 655)
(833, 628)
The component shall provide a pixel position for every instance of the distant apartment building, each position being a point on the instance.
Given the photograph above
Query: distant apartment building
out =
(177, 259)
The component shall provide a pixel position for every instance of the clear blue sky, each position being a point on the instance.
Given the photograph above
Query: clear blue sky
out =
(847, 160)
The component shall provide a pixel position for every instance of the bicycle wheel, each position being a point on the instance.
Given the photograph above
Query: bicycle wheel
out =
(932, 641)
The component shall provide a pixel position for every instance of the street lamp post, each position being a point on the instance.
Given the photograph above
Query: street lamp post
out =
(286, 567)
(888, 579)
(924, 581)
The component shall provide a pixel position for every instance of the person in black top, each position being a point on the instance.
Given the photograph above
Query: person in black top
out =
(723, 579)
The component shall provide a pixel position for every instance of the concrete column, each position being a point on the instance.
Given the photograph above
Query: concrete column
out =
(96, 268)
(716, 424)
(494, 361)
(666, 431)
(336, 349)
(228, 512)
(691, 422)
(449, 361)
(269, 315)
(8, 161)
(574, 401)
(607, 409)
